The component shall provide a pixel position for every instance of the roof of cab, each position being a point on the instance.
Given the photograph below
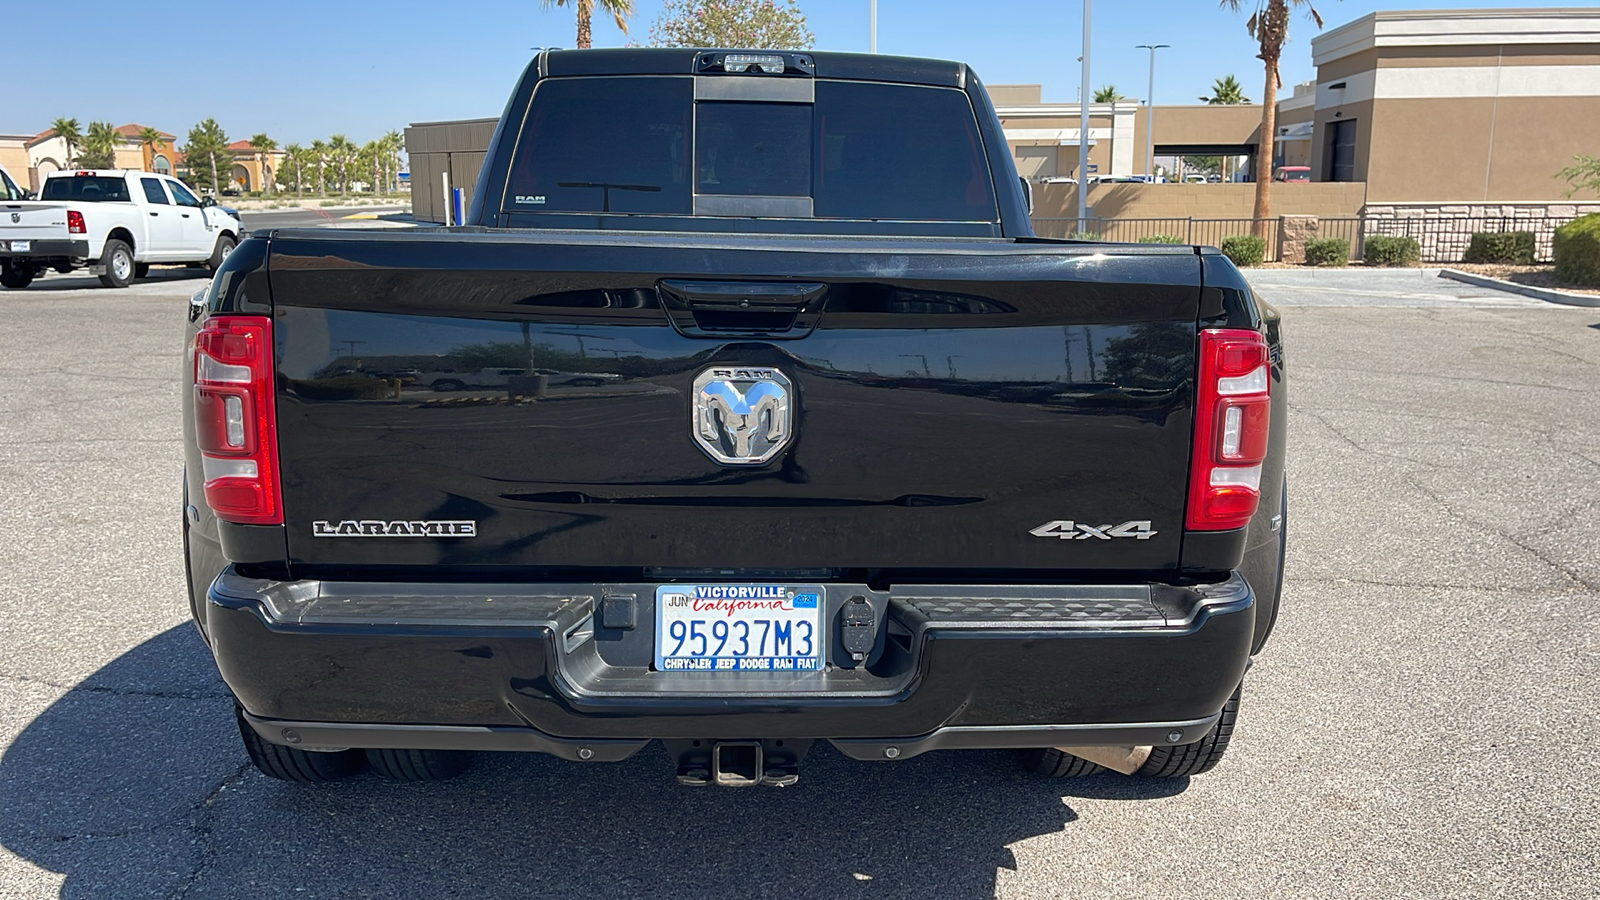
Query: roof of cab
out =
(680, 61)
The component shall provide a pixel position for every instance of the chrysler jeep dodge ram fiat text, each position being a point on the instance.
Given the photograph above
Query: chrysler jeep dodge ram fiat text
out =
(854, 457)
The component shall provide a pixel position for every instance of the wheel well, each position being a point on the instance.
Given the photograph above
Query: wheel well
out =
(121, 234)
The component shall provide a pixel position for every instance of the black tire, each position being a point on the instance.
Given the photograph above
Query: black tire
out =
(448, 384)
(225, 245)
(419, 765)
(1052, 763)
(299, 766)
(117, 257)
(17, 277)
(141, 270)
(1201, 756)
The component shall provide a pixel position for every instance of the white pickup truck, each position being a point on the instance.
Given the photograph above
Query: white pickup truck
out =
(115, 222)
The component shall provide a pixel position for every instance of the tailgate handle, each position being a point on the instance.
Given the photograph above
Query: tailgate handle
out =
(778, 310)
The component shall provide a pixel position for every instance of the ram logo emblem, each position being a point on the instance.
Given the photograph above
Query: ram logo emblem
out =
(743, 415)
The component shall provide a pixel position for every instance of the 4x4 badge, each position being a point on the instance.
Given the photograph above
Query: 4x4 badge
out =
(1068, 530)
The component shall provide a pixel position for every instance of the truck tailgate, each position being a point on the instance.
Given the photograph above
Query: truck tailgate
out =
(951, 399)
(31, 220)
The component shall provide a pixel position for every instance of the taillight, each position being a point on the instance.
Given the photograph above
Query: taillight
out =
(234, 424)
(1230, 429)
(75, 222)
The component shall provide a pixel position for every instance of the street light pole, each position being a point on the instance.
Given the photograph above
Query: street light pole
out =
(1150, 114)
(872, 30)
(1083, 126)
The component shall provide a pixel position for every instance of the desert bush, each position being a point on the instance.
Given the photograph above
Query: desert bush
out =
(1513, 247)
(1388, 250)
(1577, 250)
(1245, 249)
(1162, 239)
(1328, 251)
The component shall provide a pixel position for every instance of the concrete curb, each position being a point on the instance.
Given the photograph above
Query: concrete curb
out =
(1566, 298)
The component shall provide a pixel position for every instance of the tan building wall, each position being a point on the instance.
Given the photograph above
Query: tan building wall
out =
(1465, 106)
(246, 171)
(14, 157)
(1202, 125)
(438, 147)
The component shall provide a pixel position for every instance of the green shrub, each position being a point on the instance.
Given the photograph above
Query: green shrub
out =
(1384, 250)
(1085, 236)
(1577, 250)
(343, 387)
(1327, 252)
(1162, 239)
(1514, 247)
(1245, 249)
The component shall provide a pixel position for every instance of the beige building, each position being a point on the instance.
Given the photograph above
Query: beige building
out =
(1295, 122)
(14, 157)
(1476, 105)
(251, 170)
(1043, 137)
(46, 152)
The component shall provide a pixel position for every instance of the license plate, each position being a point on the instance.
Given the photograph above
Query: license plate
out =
(21, 246)
(739, 628)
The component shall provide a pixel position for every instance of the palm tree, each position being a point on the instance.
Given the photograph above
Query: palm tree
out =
(292, 154)
(619, 10)
(1108, 94)
(1269, 26)
(151, 142)
(68, 131)
(263, 146)
(100, 145)
(1226, 92)
(393, 143)
(321, 150)
(340, 148)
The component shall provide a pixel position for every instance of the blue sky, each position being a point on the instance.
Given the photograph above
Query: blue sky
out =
(300, 70)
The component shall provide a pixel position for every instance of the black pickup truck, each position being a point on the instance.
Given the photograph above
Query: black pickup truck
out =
(769, 422)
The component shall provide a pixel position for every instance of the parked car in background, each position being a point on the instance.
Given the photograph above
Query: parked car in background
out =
(28, 228)
(9, 189)
(1292, 173)
(116, 223)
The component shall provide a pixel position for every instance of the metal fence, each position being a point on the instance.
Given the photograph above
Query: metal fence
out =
(1445, 239)
(1441, 239)
(1209, 232)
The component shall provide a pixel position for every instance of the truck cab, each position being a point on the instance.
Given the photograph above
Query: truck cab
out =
(872, 465)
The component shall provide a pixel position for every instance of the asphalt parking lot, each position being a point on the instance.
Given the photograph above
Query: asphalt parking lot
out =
(1421, 725)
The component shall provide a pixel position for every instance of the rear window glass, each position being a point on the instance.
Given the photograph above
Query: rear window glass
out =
(86, 189)
(894, 151)
(861, 151)
(153, 191)
(753, 149)
(605, 144)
